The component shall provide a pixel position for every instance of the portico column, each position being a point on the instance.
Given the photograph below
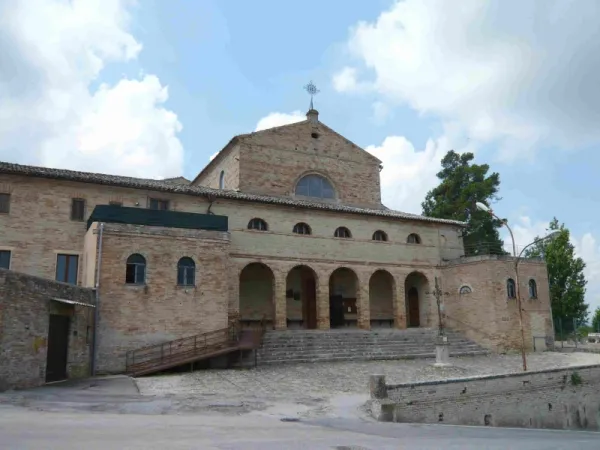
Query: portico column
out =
(322, 288)
(362, 302)
(400, 303)
(233, 304)
(279, 301)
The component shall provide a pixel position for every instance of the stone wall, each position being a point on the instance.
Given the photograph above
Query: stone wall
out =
(486, 314)
(560, 399)
(159, 310)
(228, 162)
(25, 307)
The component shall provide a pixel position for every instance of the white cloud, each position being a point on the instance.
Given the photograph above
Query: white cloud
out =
(51, 114)
(381, 112)
(587, 247)
(277, 119)
(519, 73)
(346, 81)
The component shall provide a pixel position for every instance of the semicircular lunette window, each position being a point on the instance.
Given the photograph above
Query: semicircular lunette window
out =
(315, 186)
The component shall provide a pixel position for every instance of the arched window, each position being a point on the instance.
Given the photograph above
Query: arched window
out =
(186, 272)
(511, 290)
(257, 224)
(302, 228)
(342, 232)
(465, 290)
(413, 239)
(135, 272)
(315, 186)
(532, 289)
(380, 236)
(222, 180)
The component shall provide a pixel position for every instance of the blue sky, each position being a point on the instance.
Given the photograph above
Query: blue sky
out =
(156, 88)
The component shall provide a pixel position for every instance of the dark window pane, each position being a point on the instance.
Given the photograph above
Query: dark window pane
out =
(140, 273)
(72, 264)
(77, 209)
(314, 187)
(4, 203)
(61, 268)
(130, 274)
(4, 259)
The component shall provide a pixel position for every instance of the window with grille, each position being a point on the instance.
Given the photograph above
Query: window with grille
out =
(532, 289)
(413, 239)
(380, 236)
(77, 209)
(4, 259)
(257, 224)
(4, 203)
(511, 290)
(301, 228)
(66, 268)
(159, 204)
(315, 186)
(465, 290)
(342, 232)
(135, 271)
(186, 272)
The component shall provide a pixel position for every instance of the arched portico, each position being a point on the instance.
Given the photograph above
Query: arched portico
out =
(257, 287)
(382, 296)
(301, 298)
(415, 287)
(343, 295)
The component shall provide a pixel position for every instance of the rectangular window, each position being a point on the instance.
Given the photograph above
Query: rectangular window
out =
(115, 203)
(4, 203)
(4, 259)
(66, 268)
(77, 209)
(156, 203)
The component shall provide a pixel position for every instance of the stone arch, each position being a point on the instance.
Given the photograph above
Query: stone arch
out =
(301, 297)
(256, 294)
(382, 297)
(343, 298)
(416, 287)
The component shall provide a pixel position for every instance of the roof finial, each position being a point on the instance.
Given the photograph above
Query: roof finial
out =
(312, 90)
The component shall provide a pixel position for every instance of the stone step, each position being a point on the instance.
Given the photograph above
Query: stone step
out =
(408, 347)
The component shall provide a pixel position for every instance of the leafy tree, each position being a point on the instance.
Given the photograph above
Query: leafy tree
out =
(462, 184)
(596, 321)
(565, 273)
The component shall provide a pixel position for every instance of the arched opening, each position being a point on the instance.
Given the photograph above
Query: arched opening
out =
(413, 238)
(382, 289)
(532, 289)
(342, 232)
(256, 295)
(135, 269)
(314, 185)
(301, 298)
(222, 180)
(415, 288)
(511, 290)
(380, 235)
(343, 308)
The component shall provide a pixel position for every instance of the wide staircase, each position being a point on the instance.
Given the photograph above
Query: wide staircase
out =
(304, 346)
(200, 347)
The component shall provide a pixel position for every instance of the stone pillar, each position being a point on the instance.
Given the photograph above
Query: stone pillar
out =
(233, 306)
(322, 287)
(362, 302)
(377, 387)
(400, 303)
(279, 301)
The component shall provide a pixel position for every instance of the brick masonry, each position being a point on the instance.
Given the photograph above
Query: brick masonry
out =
(556, 398)
(25, 307)
(377, 274)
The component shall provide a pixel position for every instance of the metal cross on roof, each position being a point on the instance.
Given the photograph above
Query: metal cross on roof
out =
(312, 90)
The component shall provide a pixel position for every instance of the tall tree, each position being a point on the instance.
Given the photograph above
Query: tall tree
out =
(565, 274)
(462, 184)
(596, 321)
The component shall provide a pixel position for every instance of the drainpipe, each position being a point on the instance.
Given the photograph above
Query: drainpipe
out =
(97, 308)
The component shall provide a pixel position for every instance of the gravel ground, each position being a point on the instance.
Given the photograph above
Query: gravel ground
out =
(337, 389)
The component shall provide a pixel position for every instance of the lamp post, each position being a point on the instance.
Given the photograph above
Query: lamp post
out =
(485, 208)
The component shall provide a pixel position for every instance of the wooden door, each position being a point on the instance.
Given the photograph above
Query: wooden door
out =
(58, 348)
(413, 308)
(310, 299)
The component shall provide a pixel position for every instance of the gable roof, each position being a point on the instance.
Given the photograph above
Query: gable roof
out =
(240, 137)
(201, 191)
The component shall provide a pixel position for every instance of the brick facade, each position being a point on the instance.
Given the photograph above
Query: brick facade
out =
(273, 273)
(25, 307)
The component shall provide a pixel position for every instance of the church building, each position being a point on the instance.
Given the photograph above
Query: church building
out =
(284, 226)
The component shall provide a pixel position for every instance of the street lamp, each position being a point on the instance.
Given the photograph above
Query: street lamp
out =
(485, 208)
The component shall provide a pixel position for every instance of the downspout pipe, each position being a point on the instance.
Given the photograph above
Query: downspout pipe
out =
(97, 308)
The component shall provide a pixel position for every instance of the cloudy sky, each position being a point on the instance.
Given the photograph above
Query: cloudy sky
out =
(154, 88)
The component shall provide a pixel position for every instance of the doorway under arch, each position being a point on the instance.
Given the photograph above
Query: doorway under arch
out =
(382, 290)
(415, 288)
(301, 298)
(343, 307)
(257, 285)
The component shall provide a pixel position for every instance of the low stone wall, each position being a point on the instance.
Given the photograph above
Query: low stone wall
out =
(566, 398)
(25, 307)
